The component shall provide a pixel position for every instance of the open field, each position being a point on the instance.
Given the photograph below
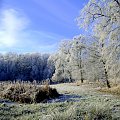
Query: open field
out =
(76, 103)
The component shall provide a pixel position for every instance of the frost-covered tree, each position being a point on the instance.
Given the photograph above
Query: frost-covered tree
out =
(103, 18)
(77, 50)
(25, 66)
(113, 62)
(50, 69)
(68, 60)
(61, 61)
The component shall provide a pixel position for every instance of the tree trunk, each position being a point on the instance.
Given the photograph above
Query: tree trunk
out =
(106, 76)
(70, 77)
(81, 80)
(105, 71)
(81, 77)
(80, 66)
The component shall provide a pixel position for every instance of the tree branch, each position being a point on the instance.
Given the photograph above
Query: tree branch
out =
(117, 2)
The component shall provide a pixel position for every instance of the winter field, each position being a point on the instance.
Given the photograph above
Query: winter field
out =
(76, 102)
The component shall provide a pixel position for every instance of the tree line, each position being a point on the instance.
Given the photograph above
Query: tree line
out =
(27, 67)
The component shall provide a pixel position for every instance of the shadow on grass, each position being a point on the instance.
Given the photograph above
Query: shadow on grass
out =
(65, 98)
(7, 102)
(61, 98)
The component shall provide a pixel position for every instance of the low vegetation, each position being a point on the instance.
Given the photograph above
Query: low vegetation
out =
(92, 105)
(114, 90)
(28, 93)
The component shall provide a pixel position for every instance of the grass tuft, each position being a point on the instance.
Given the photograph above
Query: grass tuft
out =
(25, 93)
(113, 90)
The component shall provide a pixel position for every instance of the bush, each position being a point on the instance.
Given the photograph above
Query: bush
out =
(28, 94)
(53, 93)
(45, 93)
(41, 96)
(25, 98)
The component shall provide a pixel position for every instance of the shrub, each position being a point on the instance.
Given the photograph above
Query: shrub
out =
(53, 93)
(45, 93)
(28, 94)
(25, 98)
(41, 96)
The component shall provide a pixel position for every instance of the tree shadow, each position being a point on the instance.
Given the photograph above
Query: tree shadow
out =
(65, 98)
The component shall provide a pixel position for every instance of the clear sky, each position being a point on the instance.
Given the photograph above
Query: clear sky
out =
(37, 25)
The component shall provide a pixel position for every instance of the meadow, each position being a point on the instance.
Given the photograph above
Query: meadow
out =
(78, 102)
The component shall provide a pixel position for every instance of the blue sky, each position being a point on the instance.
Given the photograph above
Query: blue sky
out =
(37, 25)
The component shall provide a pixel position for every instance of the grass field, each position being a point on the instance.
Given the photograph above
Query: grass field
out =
(83, 102)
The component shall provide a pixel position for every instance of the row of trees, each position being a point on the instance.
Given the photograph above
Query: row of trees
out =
(78, 59)
(96, 57)
(25, 66)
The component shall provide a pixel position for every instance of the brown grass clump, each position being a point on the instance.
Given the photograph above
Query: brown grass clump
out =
(25, 93)
(25, 98)
(113, 90)
(13, 92)
(45, 93)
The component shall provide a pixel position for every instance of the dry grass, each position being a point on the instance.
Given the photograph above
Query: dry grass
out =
(78, 83)
(113, 90)
(28, 93)
(92, 84)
